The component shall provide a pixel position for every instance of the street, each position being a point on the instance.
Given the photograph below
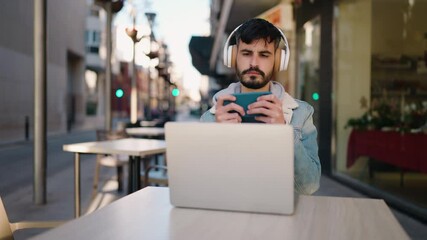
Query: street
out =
(16, 160)
(16, 181)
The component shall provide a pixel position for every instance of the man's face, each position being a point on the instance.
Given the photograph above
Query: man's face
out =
(255, 63)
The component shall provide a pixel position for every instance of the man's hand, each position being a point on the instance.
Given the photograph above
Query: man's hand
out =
(231, 112)
(269, 106)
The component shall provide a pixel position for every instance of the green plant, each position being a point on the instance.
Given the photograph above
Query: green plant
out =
(361, 123)
(415, 116)
(387, 114)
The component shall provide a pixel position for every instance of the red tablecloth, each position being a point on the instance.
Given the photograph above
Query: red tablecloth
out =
(407, 151)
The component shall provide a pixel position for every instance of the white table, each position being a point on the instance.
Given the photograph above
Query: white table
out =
(135, 148)
(149, 132)
(151, 123)
(147, 214)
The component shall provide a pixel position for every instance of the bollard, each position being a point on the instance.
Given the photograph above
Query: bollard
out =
(27, 128)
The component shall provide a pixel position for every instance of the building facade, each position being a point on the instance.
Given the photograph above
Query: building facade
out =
(95, 60)
(65, 67)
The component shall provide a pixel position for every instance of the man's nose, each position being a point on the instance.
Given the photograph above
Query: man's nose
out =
(254, 61)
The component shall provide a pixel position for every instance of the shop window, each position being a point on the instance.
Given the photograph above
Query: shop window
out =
(381, 95)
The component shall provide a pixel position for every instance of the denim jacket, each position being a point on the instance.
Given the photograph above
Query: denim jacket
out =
(299, 114)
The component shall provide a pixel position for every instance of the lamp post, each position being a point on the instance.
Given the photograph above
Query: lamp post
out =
(152, 54)
(163, 69)
(40, 67)
(133, 34)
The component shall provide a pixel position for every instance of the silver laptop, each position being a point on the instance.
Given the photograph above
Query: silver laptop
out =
(238, 167)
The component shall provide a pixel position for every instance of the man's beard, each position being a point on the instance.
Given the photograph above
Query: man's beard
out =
(253, 82)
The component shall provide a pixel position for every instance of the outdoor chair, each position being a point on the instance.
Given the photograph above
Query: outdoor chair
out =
(117, 161)
(7, 228)
(159, 178)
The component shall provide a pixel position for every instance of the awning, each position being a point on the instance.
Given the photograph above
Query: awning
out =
(200, 50)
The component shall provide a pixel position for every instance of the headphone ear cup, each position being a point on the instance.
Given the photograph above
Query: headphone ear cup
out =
(285, 59)
(228, 55)
(233, 55)
(281, 60)
(278, 60)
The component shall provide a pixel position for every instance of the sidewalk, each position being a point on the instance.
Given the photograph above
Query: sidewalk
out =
(60, 183)
(16, 179)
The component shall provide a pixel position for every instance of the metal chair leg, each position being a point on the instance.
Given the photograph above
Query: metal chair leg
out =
(96, 179)
(120, 178)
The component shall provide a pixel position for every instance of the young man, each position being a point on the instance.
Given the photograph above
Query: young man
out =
(257, 43)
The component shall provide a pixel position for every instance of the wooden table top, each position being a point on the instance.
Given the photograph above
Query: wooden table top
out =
(148, 214)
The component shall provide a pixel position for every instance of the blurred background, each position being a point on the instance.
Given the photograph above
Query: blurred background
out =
(362, 64)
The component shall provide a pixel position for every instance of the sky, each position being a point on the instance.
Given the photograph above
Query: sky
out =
(175, 23)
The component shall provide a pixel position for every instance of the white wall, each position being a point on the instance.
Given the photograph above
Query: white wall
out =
(352, 68)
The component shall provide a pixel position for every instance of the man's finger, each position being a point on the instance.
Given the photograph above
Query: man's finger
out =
(220, 100)
(265, 104)
(229, 117)
(270, 98)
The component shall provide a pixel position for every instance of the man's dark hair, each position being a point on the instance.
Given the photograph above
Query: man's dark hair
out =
(256, 29)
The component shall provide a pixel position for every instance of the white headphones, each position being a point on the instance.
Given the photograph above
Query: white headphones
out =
(281, 60)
